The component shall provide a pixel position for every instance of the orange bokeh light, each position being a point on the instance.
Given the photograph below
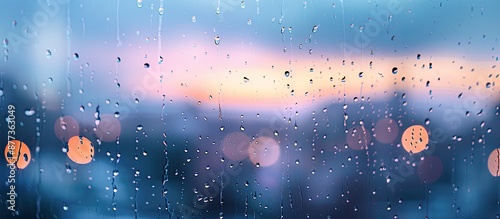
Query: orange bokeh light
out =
(17, 152)
(415, 139)
(494, 162)
(80, 150)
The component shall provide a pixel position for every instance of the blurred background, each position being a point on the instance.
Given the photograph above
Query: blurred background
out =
(250, 109)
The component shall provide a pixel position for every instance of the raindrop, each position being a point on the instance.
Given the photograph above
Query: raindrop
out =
(76, 56)
(395, 70)
(161, 10)
(146, 65)
(48, 54)
(139, 127)
(242, 3)
(193, 19)
(315, 29)
(65, 207)
(418, 56)
(246, 80)
(139, 3)
(488, 84)
(217, 40)
(29, 112)
(249, 21)
(287, 73)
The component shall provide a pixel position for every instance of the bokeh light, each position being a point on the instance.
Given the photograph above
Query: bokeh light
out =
(494, 162)
(17, 152)
(386, 130)
(235, 146)
(66, 127)
(264, 151)
(415, 139)
(80, 150)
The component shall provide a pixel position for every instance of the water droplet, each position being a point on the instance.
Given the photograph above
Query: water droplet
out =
(249, 21)
(222, 128)
(139, 3)
(246, 80)
(146, 65)
(315, 29)
(161, 10)
(48, 54)
(488, 84)
(395, 70)
(193, 19)
(418, 56)
(287, 73)
(76, 56)
(139, 127)
(217, 40)
(29, 112)
(242, 3)
(65, 207)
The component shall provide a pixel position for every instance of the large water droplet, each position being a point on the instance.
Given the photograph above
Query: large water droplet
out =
(139, 3)
(217, 40)
(29, 112)
(161, 10)
(315, 29)
(395, 70)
